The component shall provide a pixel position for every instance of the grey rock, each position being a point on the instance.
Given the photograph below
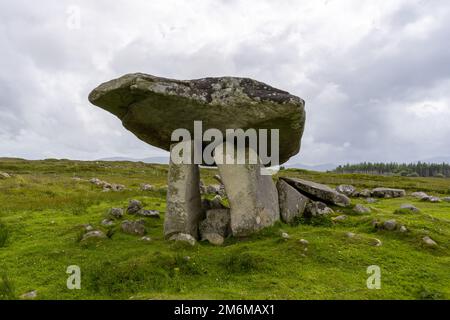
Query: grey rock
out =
(29, 295)
(146, 187)
(183, 237)
(134, 206)
(376, 242)
(88, 227)
(4, 175)
(390, 225)
(218, 221)
(216, 202)
(218, 178)
(410, 207)
(141, 102)
(446, 199)
(292, 203)
(365, 193)
(214, 238)
(431, 199)
(107, 222)
(350, 235)
(149, 213)
(213, 189)
(359, 208)
(253, 197)
(388, 193)
(304, 242)
(429, 242)
(403, 229)
(317, 208)
(340, 218)
(133, 227)
(146, 239)
(371, 200)
(419, 195)
(318, 191)
(348, 190)
(94, 234)
(284, 235)
(184, 206)
(116, 212)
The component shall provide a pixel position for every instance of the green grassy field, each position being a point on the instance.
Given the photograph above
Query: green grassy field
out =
(43, 210)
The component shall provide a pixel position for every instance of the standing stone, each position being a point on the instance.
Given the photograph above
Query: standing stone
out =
(253, 197)
(318, 191)
(292, 202)
(184, 210)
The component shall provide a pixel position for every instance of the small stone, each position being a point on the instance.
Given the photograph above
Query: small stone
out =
(149, 213)
(116, 212)
(376, 242)
(93, 234)
(403, 229)
(419, 195)
(146, 187)
(107, 222)
(214, 238)
(183, 237)
(304, 242)
(133, 227)
(365, 193)
(390, 225)
(446, 199)
(340, 218)
(146, 239)
(371, 200)
(317, 208)
(350, 235)
(429, 242)
(388, 193)
(359, 208)
(134, 206)
(431, 199)
(409, 207)
(117, 187)
(284, 235)
(348, 190)
(29, 295)
(88, 227)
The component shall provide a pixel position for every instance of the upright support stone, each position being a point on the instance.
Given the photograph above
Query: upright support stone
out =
(253, 197)
(183, 210)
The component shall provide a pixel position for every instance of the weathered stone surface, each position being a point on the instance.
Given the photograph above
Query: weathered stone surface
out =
(340, 218)
(359, 208)
(292, 203)
(446, 199)
(107, 223)
(216, 202)
(432, 199)
(317, 208)
(4, 175)
(149, 213)
(388, 193)
(133, 227)
(183, 210)
(214, 238)
(253, 197)
(183, 237)
(390, 225)
(216, 221)
(153, 107)
(410, 207)
(93, 234)
(116, 213)
(134, 206)
(146, 187)
(365, 193)
(348, 190)
(429, 242)
(317, 191)
(419, 195)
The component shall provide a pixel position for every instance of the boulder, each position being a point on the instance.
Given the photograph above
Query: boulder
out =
(317, 191)
(340, 218)
(409, 207)
(133, 227)
(292, 203)
(390, 225)
(184, 208)
(116, 213)
(146, 187)
(431, 199)
(429, 242)
(107, 223)
(183, 237)
(446, 199)
(217, 221)
(359, 208)
(252, 195)
(371, 200)
(214, 238)
(317, 208)
(94, 234)
(153, 107)
(216, 202)
(348, 190)
(419, 195)
(29, 295)
(388, 193)
(4, 175)
(134, 206)
(149, 213)
(365, 193)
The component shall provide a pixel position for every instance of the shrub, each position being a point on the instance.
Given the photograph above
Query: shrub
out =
(4, 234)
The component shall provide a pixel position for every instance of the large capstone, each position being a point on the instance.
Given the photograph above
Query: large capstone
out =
(183, 209)
(153, 107)
(253, 196)
(317, 191)
(292, 202)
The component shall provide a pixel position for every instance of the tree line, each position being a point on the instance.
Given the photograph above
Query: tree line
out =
(419, 169)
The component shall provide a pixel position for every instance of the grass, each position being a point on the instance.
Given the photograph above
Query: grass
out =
(43, 211)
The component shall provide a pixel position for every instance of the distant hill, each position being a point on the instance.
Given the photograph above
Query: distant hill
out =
(320, 167)
(159, 160)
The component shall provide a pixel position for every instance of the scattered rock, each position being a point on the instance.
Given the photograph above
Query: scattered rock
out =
(419, 195)
(146, 187)
(292, 203)
(350, 235)
(318, 191)
(409, 207)
(88, 227)
(365, 193)
(106, 185)
(340, 218)
(146, 239)
(376, 242)
(348, 190)
(304, 242)
(375, 223)
(390, 225)
(4, 175)
(359, 208)
(446, 199)
(388, 193)
(29, 295)
(214, 238)
(371, 200)
(284, 235)
(183, 237)
(403, 229)
(134, 206)
(217, 221)
(107, 222)
(116, 213)
(149, 213)
(95, 234)
(133, 227)
(429, 242)
(431, 199)
(317, 208)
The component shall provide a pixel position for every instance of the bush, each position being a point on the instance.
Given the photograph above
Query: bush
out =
(4, 234)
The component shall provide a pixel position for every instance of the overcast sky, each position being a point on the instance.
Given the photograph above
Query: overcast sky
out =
(375, 74)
